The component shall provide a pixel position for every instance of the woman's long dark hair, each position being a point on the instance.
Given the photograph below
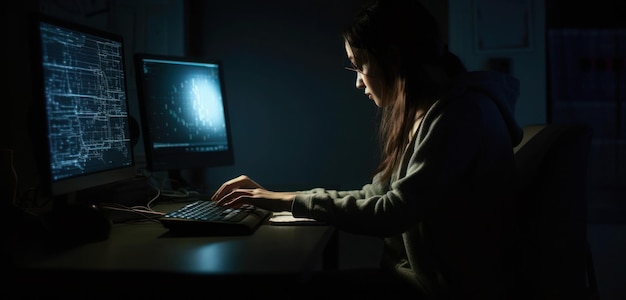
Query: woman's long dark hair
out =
(401, 38)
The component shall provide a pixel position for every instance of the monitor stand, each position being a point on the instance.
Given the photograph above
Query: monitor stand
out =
(178, 181)
(70, 222)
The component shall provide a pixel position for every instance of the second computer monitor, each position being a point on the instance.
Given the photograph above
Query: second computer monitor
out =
(184, 113)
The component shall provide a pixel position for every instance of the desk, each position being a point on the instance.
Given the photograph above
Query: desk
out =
(144, 254)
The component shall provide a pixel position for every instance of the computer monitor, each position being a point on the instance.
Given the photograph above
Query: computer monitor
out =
(184, 113)
(81, 106)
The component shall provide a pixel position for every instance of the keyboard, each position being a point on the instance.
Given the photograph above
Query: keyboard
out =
(204, 217)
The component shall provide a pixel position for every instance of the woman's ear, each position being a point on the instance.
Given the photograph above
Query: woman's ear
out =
(394, 53)
(395, 58)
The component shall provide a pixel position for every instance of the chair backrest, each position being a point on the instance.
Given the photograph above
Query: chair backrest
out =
(552, 163)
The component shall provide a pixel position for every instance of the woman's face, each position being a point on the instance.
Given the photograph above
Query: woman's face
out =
(366, 80)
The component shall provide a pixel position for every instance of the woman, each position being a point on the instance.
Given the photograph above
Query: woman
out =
(442, 195)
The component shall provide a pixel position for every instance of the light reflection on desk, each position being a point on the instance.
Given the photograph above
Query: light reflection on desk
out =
(149, 247)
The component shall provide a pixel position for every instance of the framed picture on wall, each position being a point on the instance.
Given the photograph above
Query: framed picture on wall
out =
(502, 25)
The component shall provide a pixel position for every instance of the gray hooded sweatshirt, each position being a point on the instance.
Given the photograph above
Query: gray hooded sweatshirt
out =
(447, 214)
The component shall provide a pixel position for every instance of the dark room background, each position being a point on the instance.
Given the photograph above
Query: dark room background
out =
(297, 119)
(299, 122)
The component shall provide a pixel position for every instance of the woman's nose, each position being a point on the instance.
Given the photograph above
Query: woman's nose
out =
(359, 81)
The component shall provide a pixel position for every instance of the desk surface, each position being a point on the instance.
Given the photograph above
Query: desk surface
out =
(149, 247)
(144, 254)
(143, 260)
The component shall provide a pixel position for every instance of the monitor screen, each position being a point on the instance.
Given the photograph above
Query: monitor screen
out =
(81, 84)
(184, 114)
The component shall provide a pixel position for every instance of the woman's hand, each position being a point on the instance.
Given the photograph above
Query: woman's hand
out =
(241, 182)
(244, 190)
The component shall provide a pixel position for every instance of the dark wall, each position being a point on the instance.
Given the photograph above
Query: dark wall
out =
(297, 119)
(15, 115)
(577, 14)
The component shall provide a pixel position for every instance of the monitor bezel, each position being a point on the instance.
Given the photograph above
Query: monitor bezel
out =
(187, 160)
(84, 181)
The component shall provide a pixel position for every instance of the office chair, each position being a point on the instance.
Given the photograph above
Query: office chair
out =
(555, 258)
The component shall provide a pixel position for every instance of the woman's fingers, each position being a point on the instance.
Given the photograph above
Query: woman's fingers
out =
(227, 187)
(235, 197)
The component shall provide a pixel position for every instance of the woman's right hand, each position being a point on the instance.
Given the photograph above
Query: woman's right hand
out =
(240, 182)
(243, 190)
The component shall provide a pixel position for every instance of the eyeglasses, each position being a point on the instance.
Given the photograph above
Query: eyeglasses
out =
(354, 69)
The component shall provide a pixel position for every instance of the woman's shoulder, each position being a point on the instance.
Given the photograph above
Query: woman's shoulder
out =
(475, 97)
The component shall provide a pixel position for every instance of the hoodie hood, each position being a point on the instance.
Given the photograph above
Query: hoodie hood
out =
(503, 89)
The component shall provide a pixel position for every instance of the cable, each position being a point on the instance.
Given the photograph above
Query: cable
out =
(145, 212)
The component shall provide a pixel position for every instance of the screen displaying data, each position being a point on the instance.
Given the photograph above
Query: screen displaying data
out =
(86, 105)
(186, 109)
(184, 112)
